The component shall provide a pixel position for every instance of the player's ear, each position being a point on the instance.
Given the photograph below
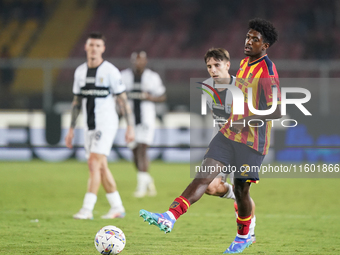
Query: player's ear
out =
(265, 46)
(228, 65)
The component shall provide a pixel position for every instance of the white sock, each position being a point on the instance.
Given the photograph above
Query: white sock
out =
(90, 200)
(243, 236)
(143, 179)
(114, 200)
(230, 193)
(171, 215)
(252, 226)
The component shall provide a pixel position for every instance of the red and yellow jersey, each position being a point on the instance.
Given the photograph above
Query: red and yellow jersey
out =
(261, 76)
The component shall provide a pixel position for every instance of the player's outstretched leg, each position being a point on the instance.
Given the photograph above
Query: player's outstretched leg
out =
(180, 205)
(163, 220)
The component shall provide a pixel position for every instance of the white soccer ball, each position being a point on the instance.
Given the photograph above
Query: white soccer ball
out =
(110, 240)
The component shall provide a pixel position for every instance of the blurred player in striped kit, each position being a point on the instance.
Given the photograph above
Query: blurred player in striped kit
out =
(144, 88)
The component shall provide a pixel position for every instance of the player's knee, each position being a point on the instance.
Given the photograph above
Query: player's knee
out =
(91, 162)
(94, 162)
(210, 190)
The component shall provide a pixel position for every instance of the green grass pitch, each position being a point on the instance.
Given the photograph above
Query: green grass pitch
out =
(38, 199)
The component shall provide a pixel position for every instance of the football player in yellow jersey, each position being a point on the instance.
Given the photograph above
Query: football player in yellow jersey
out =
(230, 147)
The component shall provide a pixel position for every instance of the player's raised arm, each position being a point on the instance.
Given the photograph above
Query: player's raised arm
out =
(76, 107)
(122, 100)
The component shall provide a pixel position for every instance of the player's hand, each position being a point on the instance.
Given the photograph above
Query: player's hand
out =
(145, 96)
(236, 128)
(129, 134)
(69, 138)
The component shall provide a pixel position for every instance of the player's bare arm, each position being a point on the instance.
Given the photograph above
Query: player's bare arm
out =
(237, 127)
(122, 100)
(155, 99)
(76, 107)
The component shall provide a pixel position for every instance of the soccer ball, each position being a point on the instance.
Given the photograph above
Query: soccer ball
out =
(110, 240)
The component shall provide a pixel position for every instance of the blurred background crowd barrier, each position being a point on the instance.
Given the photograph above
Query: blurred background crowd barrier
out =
(41, 44)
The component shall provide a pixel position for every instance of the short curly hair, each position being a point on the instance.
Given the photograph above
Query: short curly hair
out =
(266, 29)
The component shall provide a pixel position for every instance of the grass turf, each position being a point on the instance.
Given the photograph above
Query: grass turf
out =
(38, 199)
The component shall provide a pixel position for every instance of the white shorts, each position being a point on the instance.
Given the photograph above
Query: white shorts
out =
(144, 134)
(99, 141)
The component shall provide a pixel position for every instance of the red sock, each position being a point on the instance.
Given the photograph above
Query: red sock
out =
(179, 206)
(243, 225)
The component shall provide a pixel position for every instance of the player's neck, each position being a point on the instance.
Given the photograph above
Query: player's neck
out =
(254, 58)
(94, 62)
